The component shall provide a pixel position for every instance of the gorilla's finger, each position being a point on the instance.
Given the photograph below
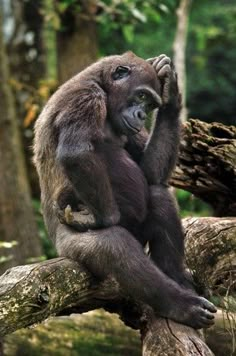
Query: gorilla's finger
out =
(158, 64)
(155, 59)
(166, 69)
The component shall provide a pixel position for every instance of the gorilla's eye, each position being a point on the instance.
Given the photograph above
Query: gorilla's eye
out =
(120, 72)
(142, 96)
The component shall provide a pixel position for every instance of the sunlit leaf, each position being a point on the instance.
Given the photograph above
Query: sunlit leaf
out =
(44, 91)
(164, 8)
(138, 15)
(15, 84)
(4, 244)
(31, 115)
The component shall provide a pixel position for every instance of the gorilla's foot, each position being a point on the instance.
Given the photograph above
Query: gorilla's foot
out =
(194, 311)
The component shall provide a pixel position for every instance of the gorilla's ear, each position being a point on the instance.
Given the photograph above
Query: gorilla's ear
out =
(130, 54)
(85, 111)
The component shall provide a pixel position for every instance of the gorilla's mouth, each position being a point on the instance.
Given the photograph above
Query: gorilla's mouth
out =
(130, 127)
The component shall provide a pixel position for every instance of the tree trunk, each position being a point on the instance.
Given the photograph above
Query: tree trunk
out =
(24, 43)
(206, 165)
(16, 213)
(179, 48)
(26, 57)
(77, 42)
(29, 294)
(167, 338)
(1, 347)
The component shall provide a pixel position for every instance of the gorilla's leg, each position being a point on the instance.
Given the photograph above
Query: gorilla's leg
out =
(164, 232)
(114, 251)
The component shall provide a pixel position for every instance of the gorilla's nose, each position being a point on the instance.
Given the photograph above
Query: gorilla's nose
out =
(139, 114)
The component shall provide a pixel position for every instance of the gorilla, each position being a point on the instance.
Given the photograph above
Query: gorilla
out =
(104, 181)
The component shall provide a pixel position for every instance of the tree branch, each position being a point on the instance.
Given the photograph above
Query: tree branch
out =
(210, 248)
(29, 294)
(207, 164)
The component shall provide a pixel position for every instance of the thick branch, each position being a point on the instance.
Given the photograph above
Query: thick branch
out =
(30, 294)
(211, 251)
(207, 164)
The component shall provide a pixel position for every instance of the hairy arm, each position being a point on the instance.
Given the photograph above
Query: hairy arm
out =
(80, 127)
(160, 154)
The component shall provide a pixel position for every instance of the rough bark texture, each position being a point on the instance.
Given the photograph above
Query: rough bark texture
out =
(77, 41)
(179, 48)
(211, 251)
(26, 57)
(24, 41)
(167, 338)
(16, 212)
(207, 164)
(29, 294)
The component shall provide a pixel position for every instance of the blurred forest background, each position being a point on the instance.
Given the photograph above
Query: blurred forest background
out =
(45, 42)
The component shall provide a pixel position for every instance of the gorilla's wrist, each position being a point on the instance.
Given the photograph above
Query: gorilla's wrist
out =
(170, 110)
(111, 219)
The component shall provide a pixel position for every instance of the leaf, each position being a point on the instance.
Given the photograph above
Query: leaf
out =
(10, 244)
(164, 8)
(31, 115)
(16, 84)
(128, 33)
(44, 91)
(138, 15)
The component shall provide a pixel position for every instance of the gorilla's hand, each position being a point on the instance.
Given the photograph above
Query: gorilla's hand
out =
(168, 77)
(81, 220)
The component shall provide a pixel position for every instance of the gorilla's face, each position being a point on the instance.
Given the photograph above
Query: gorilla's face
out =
(132, 95)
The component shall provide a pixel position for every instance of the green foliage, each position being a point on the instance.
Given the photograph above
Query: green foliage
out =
(137, 28)
(211, 51)
(48, 247)
(92, 334)
(190, 205)
(211, 57)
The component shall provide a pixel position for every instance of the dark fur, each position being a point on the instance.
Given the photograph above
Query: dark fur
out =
(83, 155)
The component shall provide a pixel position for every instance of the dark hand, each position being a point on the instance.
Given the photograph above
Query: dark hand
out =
(80, 220)
(83, 220)
(168, 77)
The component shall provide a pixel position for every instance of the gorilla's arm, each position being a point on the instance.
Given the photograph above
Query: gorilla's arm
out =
(157, 154)
(164, 225)
(160, 154)
(80, 128)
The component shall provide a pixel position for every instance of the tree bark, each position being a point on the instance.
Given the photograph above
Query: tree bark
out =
(30, 294)
(24, 43)
(77, 43)
(179, 49)
(26, 56)
(206, 165)
(210, 247)
(167, 338)
(16, 212)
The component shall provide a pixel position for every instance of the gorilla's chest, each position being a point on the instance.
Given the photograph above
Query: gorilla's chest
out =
(128, 183)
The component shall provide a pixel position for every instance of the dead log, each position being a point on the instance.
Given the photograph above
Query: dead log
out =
(207, 165)
(30, 294)
(210, 245)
